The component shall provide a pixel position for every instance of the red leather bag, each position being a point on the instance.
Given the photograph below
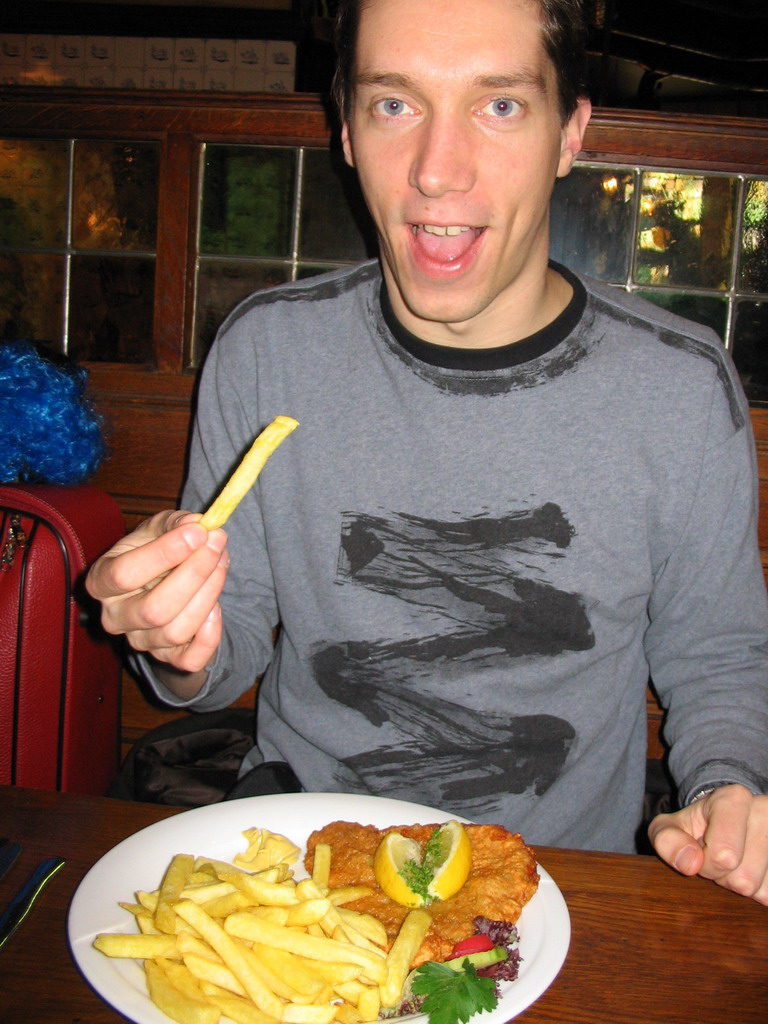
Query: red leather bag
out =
(59, 672)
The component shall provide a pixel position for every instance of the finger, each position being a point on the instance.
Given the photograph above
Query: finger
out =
(190, 614)
(727, 812)
(750, 876)
(675, 845)
(200, 651)
(145, 554)
(141, 568)
(153, 612)
(215, 540)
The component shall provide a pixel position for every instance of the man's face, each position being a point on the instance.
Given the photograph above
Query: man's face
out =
(457, 138)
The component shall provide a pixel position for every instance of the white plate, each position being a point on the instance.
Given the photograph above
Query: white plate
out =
(215, 831)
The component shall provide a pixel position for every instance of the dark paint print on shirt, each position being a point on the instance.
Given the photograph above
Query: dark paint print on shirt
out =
(479, 575)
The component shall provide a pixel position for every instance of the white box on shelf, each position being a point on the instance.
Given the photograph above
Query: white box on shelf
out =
(129, 78)
(219, 55)
(279, 81)
(248, 81)
(39, 68)
(100, 51)
(99, 78)
(189, 54)
(219, 80)
(129, 52)
(250, 54)
(69, 54)
(13, 51)
(158, 54)
(280, 56)
(69, 77)
(188, 80)
(158, 78)
(40, 51)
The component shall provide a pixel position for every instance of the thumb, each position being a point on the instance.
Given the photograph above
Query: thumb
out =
(675, 846)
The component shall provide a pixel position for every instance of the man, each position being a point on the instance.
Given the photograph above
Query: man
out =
(511, 494)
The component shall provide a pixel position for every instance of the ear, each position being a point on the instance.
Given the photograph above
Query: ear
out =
(573, 136)
(346, 144)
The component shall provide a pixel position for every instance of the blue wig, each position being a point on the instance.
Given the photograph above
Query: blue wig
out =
(49, 431)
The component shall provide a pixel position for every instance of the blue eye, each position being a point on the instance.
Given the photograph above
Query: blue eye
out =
(502, 107)
(391, 107)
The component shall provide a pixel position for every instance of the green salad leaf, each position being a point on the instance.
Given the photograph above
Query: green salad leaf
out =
(452, 997)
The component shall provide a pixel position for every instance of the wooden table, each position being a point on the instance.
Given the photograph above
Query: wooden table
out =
(648, 947)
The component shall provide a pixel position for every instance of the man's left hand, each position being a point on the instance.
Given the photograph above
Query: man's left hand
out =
(722, 836)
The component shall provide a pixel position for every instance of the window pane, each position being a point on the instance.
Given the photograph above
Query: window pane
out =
(305, 270)
(335, 223)
(33, 193)
(703, 309)
(753, 271)
(247, 207)
(31, 288)
(686, 230)
(115, 195)
(111, 303)
(592, 222)
(221, 284)
(750, 348)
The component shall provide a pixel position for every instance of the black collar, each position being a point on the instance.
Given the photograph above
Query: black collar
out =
(514, 354)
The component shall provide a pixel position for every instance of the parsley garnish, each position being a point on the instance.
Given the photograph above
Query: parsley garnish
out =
(418, 876)
(435, 850)
(453, 996)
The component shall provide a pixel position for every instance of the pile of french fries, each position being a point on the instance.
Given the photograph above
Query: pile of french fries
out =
(259, 947)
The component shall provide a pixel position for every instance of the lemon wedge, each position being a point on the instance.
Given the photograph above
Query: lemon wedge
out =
(454, 863)
(414, 879)
(392, 855)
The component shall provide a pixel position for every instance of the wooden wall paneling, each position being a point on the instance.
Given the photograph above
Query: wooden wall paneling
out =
(147, 417)
(299, 119)
(177, 224)
(673, 140)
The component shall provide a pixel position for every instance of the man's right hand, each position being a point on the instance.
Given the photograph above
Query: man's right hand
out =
(160, 587)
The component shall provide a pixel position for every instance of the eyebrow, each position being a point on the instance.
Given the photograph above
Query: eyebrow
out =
(530, 78)
(527, 78)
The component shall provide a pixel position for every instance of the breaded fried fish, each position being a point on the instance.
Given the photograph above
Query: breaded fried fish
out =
(502, 880)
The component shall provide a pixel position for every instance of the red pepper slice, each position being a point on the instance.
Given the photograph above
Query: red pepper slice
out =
(473, 944)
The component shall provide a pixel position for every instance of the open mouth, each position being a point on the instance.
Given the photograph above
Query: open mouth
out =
(444, 243)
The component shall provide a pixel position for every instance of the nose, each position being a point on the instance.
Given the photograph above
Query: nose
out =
(444, 158)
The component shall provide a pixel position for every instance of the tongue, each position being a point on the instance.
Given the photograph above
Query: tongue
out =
(445, 248)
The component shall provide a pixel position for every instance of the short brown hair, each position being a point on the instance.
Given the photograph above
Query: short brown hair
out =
(563, 34)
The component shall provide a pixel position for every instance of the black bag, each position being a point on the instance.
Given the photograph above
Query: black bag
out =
(188, 762)
(265, 779)
(195, 760)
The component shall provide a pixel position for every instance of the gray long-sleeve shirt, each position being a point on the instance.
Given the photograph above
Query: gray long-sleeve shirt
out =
(476, 565)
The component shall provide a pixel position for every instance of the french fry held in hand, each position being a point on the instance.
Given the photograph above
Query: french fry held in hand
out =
(244, 477)
(259, 947)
